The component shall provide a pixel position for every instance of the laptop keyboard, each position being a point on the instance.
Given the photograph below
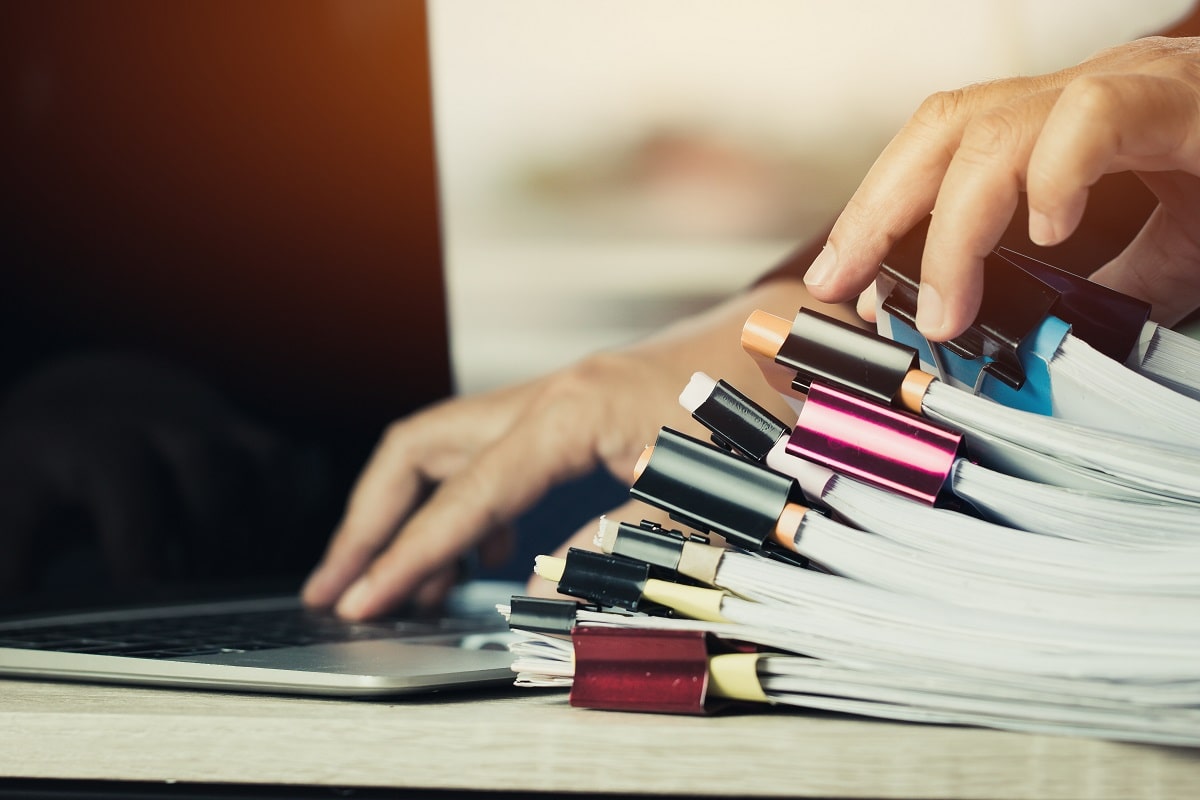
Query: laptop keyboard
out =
(197, 635)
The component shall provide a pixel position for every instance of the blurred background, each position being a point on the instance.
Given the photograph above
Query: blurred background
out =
(221, 250)
(607, 166)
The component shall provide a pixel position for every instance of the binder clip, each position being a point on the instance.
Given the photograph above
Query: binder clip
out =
(878, 444)
(821, 348)
(1013, 305)
(664, 671)
(652, 544)
(847, 423)
(543, 615)
(714, 491)
(1109, 321)
(739, 424)
(606, 580)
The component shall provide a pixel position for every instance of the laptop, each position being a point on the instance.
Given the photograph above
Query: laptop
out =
(222, 279)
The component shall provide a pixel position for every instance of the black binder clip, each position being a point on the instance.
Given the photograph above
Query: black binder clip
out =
(655, 545)
(714, 491)
(756, 430)
(543, 615)
(825, 349)
(606, 580)
(738, 423)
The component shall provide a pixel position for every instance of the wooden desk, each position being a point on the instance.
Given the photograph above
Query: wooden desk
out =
(524, 741)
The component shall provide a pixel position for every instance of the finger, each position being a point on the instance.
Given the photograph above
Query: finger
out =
(413, 455)
(897, 192)
(1102, 124)
(978, 196)
(901, 187)
(547, 445)
(866, 303)
(432, 593)
(1162, 264)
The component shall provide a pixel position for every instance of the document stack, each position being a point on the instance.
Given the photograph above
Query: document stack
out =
(998, 531)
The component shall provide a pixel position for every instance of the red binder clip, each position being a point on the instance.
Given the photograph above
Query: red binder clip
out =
(637, 669)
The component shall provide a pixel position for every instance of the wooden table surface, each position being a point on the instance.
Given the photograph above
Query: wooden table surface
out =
(520, 740)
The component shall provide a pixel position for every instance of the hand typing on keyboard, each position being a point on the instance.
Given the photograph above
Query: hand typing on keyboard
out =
(456, 475)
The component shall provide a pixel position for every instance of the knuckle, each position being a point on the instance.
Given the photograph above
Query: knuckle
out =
(581, 405)
(580, 384)
(1182, 273)
(857, 229)
(394, 434)
(1170, 275)
(1187, 72)
(469, 508)
(466, 488)
(394, 453)
(941, 108)
(1091, 96)
(988, 137)
(857, 214)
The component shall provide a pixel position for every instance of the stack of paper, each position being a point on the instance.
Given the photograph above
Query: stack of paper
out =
(978, 563)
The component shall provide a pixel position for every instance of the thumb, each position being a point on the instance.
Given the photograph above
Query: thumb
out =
(1162, 263)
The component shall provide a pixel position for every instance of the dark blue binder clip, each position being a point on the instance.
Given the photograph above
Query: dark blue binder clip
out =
(1109, 321)
(1021, 291)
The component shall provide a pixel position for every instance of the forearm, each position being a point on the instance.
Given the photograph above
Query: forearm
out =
(711, 341)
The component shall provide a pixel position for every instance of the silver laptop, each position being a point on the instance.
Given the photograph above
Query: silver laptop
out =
(222, 278)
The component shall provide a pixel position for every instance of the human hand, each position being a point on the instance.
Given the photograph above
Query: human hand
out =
(966, 155)
(454, 476)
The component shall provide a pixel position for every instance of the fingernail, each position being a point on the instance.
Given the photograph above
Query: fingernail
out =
(930, 310)
(355, 598)
(822, 268)
(1041, 229)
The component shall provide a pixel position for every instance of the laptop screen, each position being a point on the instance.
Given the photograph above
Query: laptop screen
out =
(222, 278)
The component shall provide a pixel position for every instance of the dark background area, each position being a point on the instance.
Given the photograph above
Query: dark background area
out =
(220, 279)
